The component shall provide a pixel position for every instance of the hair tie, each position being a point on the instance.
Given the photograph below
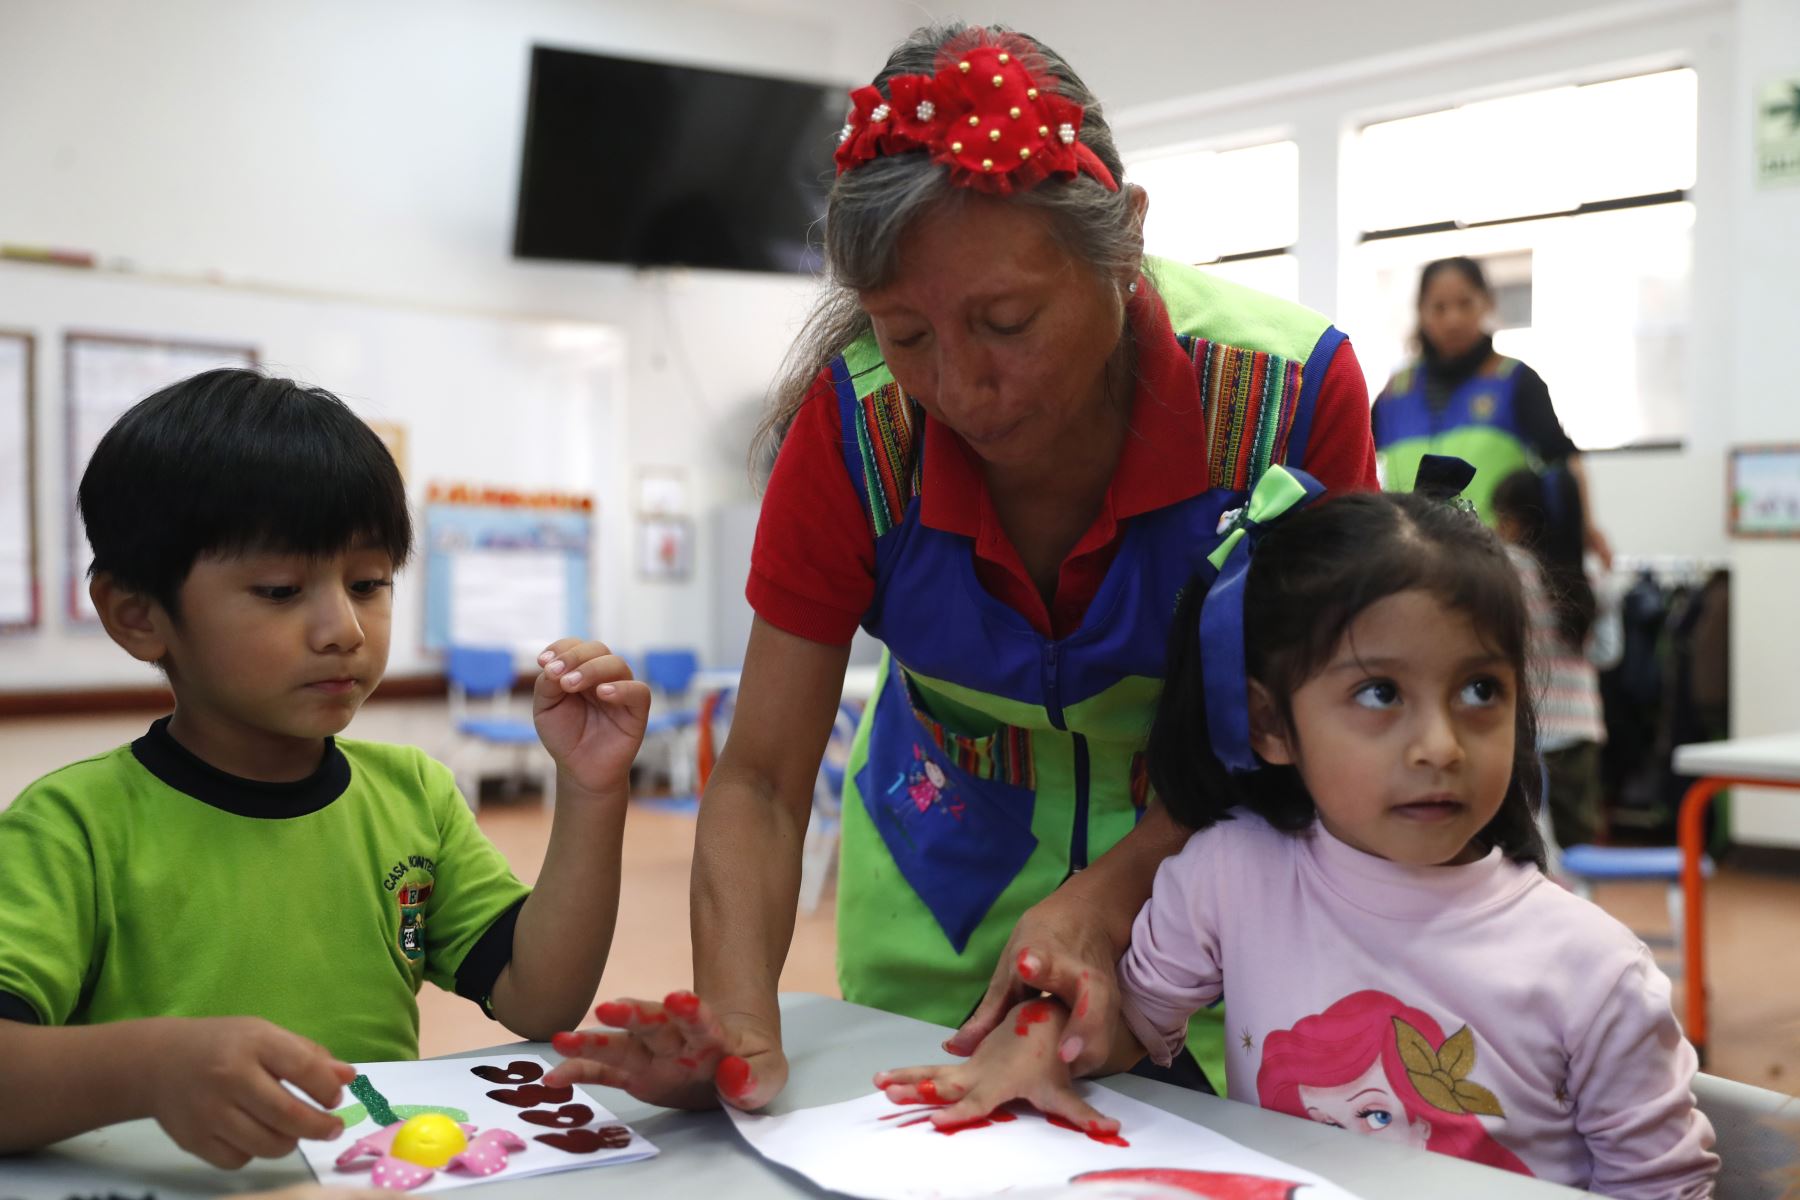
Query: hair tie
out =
(1280, 491)
(1442, 477)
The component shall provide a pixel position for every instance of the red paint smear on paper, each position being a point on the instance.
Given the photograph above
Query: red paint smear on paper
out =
(683, 1004)
(1035, 1013)
(1026, 970)
(1216, 1185)
(614, 1013)
(1093, 1131)
(733, 1076)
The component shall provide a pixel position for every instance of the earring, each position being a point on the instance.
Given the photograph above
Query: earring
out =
(1132, 287)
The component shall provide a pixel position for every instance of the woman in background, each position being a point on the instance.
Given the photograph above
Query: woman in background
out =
(1460, 398)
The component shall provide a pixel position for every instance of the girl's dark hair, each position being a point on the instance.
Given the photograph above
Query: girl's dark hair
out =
(1462, 265)
(233, 460)
(1547, 509)
(1309, 579)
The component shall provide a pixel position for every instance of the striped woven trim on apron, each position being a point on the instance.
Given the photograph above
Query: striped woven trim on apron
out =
(1249, 398)
(889, 438)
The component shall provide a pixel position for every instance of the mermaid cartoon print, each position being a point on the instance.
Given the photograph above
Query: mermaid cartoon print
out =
(1383, 1069)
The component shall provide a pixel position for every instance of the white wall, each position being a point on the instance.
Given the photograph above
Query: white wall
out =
(1765, 257)
(371, 151)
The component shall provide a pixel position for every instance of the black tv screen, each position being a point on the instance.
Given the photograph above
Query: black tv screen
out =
(655, 165)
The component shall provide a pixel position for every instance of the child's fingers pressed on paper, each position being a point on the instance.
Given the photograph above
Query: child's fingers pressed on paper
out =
(973, 1107)
(938, 1089)
(701, 1033)
(587, 1070)
(1067, 1103)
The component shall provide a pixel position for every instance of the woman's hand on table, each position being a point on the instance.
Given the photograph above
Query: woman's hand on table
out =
(676, 1054)
(1019, 1061)
(1061, 947)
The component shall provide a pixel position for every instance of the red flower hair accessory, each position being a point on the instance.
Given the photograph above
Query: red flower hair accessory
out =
(984, 115)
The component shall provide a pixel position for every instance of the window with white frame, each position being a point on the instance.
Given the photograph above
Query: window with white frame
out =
(1236, 213)
(1575, 200)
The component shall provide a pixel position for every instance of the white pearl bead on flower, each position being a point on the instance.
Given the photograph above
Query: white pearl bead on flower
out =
(880, 113)
(927, 110)
(843, 135)
(1066, 132)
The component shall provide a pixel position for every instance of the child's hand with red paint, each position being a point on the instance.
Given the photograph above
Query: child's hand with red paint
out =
(590, 714)
(675, 1054)
(1018, 1061)
(1060, 947)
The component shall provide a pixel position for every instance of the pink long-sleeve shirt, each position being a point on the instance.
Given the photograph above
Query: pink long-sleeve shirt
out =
(1477, 1010)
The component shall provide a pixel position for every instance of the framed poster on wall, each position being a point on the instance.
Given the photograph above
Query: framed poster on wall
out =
(18, 482)
(103, 375)
(1764, 496)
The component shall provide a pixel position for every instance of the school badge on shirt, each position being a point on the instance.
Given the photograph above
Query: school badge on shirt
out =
(410, 881)
(1482, 407)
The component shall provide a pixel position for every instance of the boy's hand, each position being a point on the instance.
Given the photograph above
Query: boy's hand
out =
(216, 1088)
(590, 713)
(675, 1054)
(1018, 1061)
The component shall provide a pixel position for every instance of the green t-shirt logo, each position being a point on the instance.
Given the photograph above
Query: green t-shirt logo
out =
(410, 880)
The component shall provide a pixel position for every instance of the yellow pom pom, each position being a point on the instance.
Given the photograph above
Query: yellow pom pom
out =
(430, 1140)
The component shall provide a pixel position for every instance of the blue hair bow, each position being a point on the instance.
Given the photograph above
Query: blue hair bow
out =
(1281, 490)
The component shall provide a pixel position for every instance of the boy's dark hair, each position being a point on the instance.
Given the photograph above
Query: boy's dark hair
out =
(1552, 525)
(230, 461)
(1309, 578)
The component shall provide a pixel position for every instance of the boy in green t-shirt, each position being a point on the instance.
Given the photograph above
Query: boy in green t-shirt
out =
(238, 898)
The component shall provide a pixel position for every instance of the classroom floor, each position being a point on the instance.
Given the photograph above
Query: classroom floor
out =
(1753, 920)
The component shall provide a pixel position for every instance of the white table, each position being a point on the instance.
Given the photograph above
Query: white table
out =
(836, 1048)
(1772, 761)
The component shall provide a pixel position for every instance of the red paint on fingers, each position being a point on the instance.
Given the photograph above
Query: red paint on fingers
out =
(733, 1077)
(652, 1017)
(1081, 1005)
(614, 1013)
(928, 1093)
(1035, 1013)
(685, 1005)
(1095, 1131)
(1027, 965)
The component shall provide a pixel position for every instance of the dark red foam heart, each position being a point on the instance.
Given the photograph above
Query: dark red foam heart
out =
(588, 1141)
(566, 1117)
(533, 1093)
(518, 1071)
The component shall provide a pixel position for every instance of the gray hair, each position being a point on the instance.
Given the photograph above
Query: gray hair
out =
(870, 208)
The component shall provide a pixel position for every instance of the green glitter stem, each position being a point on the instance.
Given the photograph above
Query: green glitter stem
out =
(377, 1104)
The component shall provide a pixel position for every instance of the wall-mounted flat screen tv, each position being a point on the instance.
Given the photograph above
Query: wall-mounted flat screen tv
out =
(649, 164)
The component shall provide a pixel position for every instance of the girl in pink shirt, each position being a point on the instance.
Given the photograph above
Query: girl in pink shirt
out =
(1364, 889)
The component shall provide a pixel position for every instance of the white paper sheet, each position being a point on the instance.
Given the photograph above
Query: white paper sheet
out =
(453, 1083)
(872, 1148)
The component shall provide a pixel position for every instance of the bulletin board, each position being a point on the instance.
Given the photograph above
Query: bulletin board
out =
(18, 483)
(1764, 497)
(103, 375)
(506, 568)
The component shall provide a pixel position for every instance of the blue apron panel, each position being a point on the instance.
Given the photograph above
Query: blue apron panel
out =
(958, 838)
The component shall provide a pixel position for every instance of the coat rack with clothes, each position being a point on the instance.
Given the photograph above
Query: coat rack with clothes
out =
(1671, 686)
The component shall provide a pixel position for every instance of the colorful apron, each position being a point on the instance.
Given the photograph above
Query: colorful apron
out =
(1479, 423)
(993, 762)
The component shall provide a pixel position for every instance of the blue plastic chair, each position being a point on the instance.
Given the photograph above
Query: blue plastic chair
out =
(1584, 866)
(670, 674)
(482, 673)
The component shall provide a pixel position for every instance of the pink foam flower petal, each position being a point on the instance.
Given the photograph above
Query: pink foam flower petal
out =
(373, 1146)
(397, 1175)
(487, 1154)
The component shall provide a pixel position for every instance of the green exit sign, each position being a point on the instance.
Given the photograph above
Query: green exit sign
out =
(1778, 131)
